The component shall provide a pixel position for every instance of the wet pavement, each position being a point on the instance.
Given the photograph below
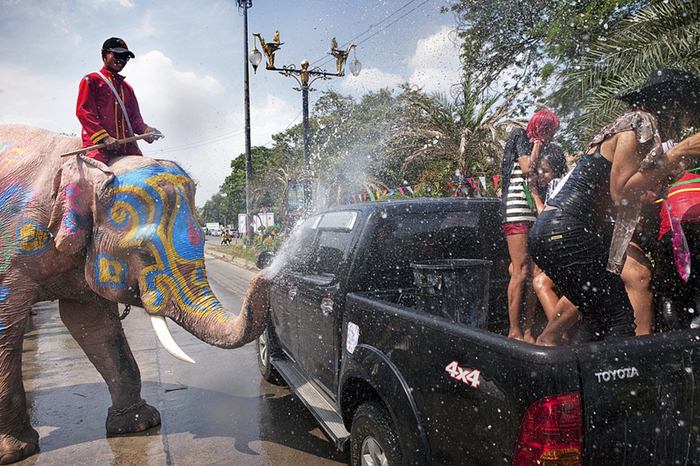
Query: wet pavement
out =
(218, 411)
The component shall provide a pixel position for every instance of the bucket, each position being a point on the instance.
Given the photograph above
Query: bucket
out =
(456, 289)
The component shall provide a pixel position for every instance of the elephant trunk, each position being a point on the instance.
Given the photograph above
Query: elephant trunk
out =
(217, 326)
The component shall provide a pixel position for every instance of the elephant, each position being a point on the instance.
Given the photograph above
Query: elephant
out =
(92, 235)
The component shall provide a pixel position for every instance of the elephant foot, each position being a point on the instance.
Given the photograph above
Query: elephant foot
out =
(136, 418)
(13, 449)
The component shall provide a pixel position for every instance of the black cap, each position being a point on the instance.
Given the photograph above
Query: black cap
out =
(116, 45)
(664, 85)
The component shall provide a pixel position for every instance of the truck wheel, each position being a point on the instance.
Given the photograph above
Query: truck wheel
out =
(265, 349)
(373, 441)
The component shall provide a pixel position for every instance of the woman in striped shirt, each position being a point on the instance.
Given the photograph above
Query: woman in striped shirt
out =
(518, 212)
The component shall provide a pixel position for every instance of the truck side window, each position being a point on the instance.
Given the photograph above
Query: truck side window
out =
(331, 252)
(334, 237)
(299, 249)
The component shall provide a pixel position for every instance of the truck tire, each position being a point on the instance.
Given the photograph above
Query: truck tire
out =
(265, 348)
(373, 440)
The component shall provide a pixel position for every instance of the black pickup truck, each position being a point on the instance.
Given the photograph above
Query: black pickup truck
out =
(406, 383)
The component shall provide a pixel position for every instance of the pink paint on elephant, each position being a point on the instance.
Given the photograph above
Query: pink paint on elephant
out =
(91, 236)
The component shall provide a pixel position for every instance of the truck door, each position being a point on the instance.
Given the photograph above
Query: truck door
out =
(638, 399)
(294, 262)
(317, 306)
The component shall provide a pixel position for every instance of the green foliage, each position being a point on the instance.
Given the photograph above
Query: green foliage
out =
(383, 140)
(661, 35)
(528, 47)
(468, 132)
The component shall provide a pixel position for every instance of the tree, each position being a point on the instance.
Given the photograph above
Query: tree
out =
(661, 35)
(443, 135)
(526, 47)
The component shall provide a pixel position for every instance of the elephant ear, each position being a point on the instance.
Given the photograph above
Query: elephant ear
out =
(73, 206)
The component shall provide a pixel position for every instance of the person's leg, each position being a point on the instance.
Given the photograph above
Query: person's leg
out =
(544, 288)
(530, 311)
(517, 249)
(565, 316)
(636, 275)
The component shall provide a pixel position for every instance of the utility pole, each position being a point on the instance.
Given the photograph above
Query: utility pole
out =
(305, 76)
(245, 4)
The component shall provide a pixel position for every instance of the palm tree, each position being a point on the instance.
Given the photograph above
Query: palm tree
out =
(469, 132)
(660, 35)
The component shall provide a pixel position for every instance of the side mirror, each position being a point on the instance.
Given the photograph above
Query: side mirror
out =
(264, 259)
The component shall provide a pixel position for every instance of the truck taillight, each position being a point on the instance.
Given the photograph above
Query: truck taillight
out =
(551, 432)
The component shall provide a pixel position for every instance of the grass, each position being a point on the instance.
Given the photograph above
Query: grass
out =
(235, 249)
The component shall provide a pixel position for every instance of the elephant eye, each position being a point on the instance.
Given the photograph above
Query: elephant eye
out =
(146, 256)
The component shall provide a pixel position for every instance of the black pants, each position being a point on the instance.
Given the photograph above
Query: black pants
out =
(574, 256)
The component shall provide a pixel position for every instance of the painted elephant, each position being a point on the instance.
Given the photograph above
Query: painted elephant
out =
(93, 235)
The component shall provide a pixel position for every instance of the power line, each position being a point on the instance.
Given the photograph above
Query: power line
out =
(371, 26)
(329, 59)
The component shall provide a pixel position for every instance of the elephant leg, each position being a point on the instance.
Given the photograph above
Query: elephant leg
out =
(98, 331)
(18, 439)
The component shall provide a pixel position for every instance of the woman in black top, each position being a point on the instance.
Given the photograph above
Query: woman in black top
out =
(571, 240)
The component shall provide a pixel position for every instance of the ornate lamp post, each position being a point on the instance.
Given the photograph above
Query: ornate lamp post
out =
(244, 5)
(305, 76)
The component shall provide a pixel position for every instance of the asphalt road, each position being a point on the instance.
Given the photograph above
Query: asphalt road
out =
(217, 411)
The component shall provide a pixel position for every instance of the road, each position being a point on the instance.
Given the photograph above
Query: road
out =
(217, 411)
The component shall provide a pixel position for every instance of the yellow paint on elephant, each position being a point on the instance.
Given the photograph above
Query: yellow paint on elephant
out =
(32, 238)
(110, 272)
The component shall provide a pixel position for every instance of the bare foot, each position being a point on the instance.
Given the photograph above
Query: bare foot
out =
(528, 337)
(544, 341)
(515, 334)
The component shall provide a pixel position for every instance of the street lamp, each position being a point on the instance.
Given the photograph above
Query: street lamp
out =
(244, 5)
(305, 76)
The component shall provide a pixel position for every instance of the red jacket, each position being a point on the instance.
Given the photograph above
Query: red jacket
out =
(100, 115)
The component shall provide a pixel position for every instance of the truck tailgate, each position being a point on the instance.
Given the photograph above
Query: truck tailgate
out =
(639, 398)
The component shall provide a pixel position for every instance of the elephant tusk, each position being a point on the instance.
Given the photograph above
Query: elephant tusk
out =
(166, 339)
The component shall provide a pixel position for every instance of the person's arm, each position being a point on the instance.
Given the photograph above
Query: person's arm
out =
(627, 182)
(687, 148)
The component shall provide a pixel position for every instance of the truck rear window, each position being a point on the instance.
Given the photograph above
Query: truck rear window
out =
(403, 239)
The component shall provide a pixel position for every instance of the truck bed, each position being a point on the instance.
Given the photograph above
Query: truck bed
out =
(637, 395)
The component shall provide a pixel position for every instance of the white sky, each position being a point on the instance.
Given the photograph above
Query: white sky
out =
(188, 71)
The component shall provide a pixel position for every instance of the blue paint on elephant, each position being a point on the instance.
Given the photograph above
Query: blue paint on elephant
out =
(13, 198)
(153, 204)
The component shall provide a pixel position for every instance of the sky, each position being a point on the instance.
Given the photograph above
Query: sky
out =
(188, 70)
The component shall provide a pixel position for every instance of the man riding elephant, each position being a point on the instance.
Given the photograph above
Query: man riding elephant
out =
(93, 235)
(107, 108)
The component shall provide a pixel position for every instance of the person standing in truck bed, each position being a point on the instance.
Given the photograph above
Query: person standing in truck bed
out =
(571, 240)
(518, 212)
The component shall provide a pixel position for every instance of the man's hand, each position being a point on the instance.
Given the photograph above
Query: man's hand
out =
(110, 143)
(153, 135)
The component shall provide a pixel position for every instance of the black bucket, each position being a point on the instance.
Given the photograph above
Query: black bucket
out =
(456, 289)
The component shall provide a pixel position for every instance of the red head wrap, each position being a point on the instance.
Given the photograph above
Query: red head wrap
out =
(542, 126)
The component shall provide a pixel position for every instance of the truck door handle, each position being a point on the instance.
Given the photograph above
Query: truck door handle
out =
(326, 306)
(292, 292)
